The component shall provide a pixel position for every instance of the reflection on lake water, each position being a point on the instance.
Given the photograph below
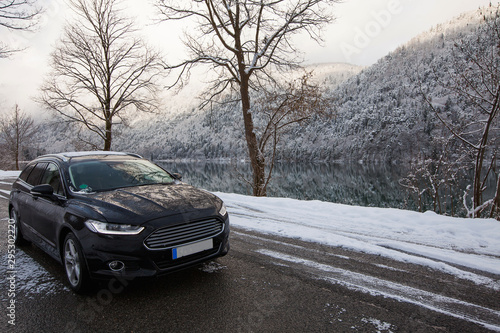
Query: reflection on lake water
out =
(374, 186)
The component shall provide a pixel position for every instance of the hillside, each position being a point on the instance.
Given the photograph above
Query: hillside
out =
(216, 133)
(380, 113)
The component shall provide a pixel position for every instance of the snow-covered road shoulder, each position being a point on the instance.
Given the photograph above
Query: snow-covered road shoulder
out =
(440, 242)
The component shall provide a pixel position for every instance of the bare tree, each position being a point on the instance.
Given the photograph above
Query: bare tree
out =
(435, 179)
(475, 83)
(100, 70)
(17, 15)
(246, 43)
(16, 132)
(280, 107)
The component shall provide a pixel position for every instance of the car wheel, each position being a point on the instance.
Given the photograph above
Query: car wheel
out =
(74, 264)
(18, 236)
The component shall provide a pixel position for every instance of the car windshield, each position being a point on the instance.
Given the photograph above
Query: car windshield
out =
(103, 175)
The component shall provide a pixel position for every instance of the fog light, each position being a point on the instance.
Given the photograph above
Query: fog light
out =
(116, 266)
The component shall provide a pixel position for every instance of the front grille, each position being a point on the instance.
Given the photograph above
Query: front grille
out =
(168, 237)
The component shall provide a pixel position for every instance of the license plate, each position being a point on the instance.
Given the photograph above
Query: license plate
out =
(186, 250)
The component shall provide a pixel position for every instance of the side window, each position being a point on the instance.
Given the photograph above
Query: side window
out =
(35, 175)
(51, 177)
(26, 172)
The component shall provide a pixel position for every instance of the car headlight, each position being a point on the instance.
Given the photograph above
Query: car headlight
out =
(223, 210)
(113, 228)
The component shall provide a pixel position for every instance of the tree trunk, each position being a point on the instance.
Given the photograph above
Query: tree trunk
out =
(18, 138)
(495, 209)
(478, 183)
(257, 160)
(477, 194)
(107, 140)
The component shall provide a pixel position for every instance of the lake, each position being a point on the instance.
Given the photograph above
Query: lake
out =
(373, 186)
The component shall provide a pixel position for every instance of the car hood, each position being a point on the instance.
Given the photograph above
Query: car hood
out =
(136, 205)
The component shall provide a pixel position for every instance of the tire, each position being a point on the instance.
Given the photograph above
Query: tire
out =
(19, 240)
(75, 265)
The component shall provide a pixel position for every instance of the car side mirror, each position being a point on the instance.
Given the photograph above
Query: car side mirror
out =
(177, 176)
(44, 190)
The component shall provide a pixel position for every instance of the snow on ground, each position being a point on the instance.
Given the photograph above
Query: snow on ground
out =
(427, 239)
(9, 174)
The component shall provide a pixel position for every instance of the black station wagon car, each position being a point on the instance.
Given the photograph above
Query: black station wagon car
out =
(109, 214)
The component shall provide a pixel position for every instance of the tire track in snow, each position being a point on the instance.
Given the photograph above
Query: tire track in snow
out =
(378, 287)
(370, 245)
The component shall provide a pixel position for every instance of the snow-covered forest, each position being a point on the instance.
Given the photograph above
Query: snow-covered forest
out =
(379, 112)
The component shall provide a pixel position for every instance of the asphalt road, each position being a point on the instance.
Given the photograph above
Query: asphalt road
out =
(265, 284)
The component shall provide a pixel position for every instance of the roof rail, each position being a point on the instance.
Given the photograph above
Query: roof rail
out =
(134, 155)
(59, 156)
(68, 155)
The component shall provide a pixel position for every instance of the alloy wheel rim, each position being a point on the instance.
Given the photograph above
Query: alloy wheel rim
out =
(72, 262)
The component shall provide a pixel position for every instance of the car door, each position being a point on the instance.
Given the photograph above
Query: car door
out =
(48, 212)
(25, 198)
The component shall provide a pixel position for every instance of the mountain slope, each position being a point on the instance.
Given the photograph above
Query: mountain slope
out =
(380, 112)
(215, 133)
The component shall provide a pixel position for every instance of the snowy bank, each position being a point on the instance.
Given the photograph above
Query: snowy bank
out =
(9, 174)
(428, 239)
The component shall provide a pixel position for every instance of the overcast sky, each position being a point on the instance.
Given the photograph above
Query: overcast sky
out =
(365, 31)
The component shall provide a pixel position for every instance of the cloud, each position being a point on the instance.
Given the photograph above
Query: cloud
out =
(371, 29)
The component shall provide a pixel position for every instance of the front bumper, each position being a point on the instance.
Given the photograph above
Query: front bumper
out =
(138, 260)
